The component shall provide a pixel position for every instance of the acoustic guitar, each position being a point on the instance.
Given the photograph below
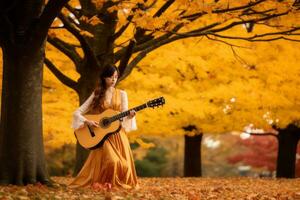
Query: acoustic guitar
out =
(109, 123)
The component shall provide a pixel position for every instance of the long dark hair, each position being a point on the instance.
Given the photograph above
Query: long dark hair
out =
(101, 88)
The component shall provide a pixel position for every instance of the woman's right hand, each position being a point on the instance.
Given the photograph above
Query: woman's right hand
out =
(92, 123)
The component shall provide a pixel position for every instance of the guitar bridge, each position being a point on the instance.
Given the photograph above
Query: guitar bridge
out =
(91, 131)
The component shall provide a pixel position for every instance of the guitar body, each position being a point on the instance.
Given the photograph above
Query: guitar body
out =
(93, 137)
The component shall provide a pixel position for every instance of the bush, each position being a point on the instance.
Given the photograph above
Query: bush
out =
(153, 163)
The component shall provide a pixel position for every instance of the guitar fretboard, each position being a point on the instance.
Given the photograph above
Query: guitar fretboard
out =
(126, 113)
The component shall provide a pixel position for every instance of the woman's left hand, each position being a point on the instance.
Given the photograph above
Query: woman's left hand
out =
(131, 114)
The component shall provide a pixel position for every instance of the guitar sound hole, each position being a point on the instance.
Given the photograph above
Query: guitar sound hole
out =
(105, 123)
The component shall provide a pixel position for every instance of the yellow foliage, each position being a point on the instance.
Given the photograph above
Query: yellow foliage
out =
(74, 3)
(98, 3)
(144, 144)
(206, 87)
(203, 82)
(212, 89)
(95, 21)
(87, 34)
(113, 8)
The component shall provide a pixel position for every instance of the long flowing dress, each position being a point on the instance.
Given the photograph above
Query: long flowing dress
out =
(112, 163)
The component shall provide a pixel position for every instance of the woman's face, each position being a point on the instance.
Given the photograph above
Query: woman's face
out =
(111, 81)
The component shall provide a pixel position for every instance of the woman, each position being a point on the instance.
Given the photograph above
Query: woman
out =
(112, 163)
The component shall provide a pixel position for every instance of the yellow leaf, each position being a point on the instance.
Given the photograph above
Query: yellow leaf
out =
(95, 21)
(87, 34)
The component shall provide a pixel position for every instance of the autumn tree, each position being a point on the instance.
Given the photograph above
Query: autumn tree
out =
(124, 32)
(24, 27)
(262, 152)
(288, 139)
(234, 94)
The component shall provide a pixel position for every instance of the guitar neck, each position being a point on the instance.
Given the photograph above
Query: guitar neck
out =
(126, 113)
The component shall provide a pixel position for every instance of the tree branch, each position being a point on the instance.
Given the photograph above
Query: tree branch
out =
(200, 32)
(164, 8)
(140, 33)
(238, 58)
(197, 32)
(167, 38)
(139, 57)
(231, 25)
(74, 11)
(147, 44)
(290, 32)
(199, 14)
(88, 52)
(269, 25)
(252, 39)
(126, 57)
(227, 43)
(142, 54)
(50, 12)
(60, 76)
(123, 28)
(249, 12)
(65, 48)
(140, 36)
(132, 64)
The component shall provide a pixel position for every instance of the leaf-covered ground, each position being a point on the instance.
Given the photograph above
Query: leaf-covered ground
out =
(166, 188)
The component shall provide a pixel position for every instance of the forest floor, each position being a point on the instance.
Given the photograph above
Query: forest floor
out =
(165, 189)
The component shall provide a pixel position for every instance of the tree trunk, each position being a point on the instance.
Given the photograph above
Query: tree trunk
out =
(100, 53)
(102, 45)
(87, 85)
(192, 156)
(287, 148)
(21, 142)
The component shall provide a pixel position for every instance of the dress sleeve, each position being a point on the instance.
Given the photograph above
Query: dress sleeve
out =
(127, 123)
(78, 118)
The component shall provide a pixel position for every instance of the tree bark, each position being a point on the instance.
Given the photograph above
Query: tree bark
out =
(287, 148)
(192, 156)
(85, 90)
(21, 144)
(24, 27)
(86, 85)
(102, 46)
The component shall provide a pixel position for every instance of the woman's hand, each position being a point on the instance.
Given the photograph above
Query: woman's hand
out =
(131, 114)
(91, 123)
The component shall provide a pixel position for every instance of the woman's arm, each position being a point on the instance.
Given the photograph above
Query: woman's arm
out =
(78, 118)
(127, 123)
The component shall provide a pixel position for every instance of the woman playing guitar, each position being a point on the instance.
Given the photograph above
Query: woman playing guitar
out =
(112, 162)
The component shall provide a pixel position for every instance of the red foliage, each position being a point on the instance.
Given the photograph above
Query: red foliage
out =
(261, 152)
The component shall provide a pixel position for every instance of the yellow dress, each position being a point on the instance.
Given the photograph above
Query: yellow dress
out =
(112, 163)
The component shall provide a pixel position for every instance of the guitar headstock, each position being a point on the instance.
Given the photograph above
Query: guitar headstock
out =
(156, 102)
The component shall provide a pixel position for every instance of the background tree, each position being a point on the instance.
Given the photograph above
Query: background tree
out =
(261, 152)
(125, 32)
(288, 139)
(228, 98)
(24, 27)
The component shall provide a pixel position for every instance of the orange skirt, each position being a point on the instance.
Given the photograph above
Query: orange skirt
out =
(111, 164)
